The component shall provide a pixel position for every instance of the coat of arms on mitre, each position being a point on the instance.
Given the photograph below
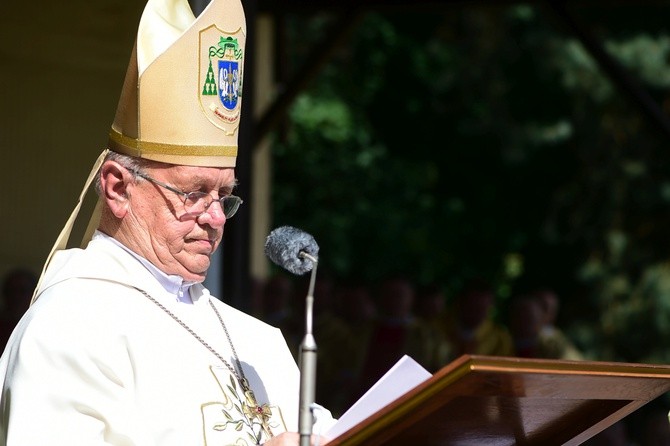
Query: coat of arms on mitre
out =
(221, 65)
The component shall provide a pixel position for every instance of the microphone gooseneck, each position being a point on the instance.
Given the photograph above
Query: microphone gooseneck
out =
(297, 251)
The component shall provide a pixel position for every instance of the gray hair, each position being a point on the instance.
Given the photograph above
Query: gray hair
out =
(132, 163)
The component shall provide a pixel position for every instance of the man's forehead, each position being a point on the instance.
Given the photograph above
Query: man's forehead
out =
(197, 176)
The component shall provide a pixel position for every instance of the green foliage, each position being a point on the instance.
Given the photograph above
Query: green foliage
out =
(485, 142)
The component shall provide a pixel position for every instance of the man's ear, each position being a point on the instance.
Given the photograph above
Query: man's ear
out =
(115, 181)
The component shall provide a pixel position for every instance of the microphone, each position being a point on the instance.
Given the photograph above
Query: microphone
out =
(297, 251)
(292, 249)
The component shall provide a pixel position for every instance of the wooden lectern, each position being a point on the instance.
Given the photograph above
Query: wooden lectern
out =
(496, 401)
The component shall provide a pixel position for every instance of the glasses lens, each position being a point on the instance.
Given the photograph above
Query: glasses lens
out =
(196, 202)
(230, 205)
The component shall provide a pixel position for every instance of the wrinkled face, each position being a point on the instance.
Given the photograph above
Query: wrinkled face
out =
(163, 233)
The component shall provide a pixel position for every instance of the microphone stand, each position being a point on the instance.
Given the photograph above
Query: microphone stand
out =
(307, 364)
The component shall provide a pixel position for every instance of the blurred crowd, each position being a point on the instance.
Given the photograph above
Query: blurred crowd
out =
(362, 330)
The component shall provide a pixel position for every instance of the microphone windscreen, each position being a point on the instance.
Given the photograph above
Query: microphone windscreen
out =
(283, 247)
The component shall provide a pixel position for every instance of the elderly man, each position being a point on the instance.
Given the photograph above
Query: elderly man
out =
(123, 345)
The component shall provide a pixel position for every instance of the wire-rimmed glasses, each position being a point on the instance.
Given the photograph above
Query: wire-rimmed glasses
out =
(196, 203)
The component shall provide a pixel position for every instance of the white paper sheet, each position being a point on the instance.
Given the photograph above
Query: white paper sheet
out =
(400, 379)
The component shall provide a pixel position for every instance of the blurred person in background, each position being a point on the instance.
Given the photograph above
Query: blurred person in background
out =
(18, 286)
(471, 326)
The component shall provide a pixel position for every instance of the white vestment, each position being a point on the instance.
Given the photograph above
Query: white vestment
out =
(96, 362)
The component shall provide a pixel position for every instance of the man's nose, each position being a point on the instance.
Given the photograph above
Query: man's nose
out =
(213, 215)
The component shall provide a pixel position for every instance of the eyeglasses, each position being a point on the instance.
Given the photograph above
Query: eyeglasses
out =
(197, 203)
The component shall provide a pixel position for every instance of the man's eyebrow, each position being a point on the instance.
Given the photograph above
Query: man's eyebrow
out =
(228, 188)
(197, 182)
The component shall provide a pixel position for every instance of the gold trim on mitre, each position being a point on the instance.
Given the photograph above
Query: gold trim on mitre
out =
(149, 150)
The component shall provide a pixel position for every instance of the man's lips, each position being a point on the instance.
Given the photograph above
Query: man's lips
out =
(205, 244)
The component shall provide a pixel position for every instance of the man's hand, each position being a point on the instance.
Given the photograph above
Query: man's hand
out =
(292, 439)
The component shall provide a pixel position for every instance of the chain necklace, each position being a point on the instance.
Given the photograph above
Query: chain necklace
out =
(248, 393)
